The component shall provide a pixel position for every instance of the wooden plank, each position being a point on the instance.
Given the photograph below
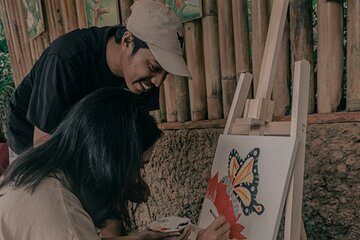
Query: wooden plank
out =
(182, 98)
(81, 15)
(301, 39)
(241, 37)
(212, 60)
(272, 48)
(353, 56)
(238, 103)
(227, 54)
(259, 26)
(259, 108)
(293, 217)
(218, 123)
(341, 117)
(169, 90)
(195, 63)
(330, 55)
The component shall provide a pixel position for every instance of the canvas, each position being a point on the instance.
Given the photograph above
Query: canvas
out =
(186, 10)
(249, 177)
(34, 17)
(102, 13)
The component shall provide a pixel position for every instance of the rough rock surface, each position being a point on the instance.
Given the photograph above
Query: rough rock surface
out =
(180, 168)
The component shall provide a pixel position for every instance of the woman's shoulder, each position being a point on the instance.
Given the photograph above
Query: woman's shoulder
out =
(51, 206)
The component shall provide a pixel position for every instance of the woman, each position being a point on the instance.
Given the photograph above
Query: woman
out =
(84, 174)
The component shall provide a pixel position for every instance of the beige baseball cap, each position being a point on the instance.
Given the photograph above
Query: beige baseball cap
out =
(158, 26)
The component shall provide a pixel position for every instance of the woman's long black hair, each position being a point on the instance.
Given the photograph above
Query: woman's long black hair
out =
(99, 147)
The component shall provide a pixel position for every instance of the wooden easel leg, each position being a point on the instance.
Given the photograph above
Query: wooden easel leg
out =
(303, 232)
(293, 219)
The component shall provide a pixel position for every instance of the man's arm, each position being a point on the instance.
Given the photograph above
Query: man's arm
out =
(39, 137)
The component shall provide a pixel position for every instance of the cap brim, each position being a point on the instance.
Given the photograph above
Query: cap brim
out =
(171, 62)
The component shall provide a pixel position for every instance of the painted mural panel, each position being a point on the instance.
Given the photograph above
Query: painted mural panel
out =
(34, 17)
(186, 10)
(102, 13)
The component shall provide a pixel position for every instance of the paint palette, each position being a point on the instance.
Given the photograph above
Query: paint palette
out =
(169, 224)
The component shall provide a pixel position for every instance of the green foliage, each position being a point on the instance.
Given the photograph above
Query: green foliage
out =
(6, 82)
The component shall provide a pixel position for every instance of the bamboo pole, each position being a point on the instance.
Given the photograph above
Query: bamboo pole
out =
(241, 37)
(280, 93)
(15, 40)
(73, 22)
(301, 38)
(330, 55)
(227, 53)
(259, 26)
(212, 60)
(64, 12)
(182, 98)
(80, 10)
(23, 34)
(56, 15)
(169, 89)
(162, 104)
(195, 62)
(125, 10)
(51, 20)
(353, 56)
(6, 22)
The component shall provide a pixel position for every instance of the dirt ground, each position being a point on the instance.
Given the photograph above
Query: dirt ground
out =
(180, 169)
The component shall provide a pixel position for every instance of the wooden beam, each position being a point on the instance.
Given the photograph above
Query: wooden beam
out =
(272, 48)
(238, 104)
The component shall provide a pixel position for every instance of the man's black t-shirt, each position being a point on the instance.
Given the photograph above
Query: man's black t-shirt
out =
(73, 66)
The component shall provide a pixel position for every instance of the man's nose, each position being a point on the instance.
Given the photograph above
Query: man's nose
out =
(158, 79)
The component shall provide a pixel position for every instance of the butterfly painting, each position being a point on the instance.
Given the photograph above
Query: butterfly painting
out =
(250, 176)
(242, 182)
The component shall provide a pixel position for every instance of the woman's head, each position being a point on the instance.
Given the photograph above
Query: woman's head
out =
(99, 146)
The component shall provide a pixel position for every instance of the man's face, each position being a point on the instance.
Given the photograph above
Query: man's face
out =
(142, 72)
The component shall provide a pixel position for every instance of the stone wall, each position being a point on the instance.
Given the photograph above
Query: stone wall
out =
(180, 168)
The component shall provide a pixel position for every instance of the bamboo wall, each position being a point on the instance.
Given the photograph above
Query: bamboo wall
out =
(220, 46)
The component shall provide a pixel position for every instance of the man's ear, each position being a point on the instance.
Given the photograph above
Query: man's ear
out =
(127, 40)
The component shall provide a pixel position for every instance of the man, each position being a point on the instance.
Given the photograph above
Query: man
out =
(137, 57)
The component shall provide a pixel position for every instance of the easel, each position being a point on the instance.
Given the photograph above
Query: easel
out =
(254, 116)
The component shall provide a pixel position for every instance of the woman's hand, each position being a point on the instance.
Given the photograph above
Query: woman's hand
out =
(218, 230)
(152, 235)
